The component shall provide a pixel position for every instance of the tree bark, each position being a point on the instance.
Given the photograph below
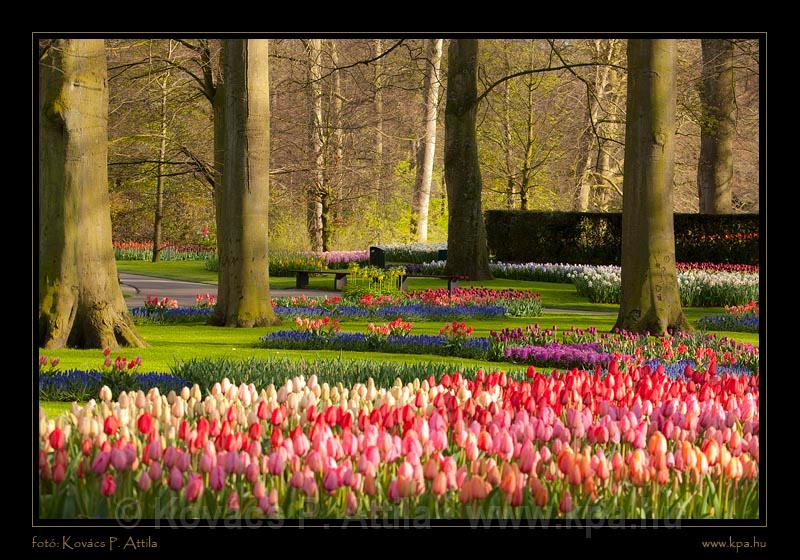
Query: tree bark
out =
(223, 267)
(162, 152)
(314, 210)
(650, 300)
(468, 254)
(247, 301)
(80, 301)
(378, 103)
(717, 129)
(422, 186)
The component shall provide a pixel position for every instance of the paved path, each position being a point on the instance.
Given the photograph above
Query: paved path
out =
(139, 287)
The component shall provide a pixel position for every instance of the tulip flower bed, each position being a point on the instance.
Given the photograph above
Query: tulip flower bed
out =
(439, 304)
(138, 251)
(632, 443)
(743, 318)
(708, 350)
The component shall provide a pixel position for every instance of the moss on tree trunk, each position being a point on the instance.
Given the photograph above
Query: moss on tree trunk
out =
(650, 300)
(80, 301)
(467, 251)
(246, 300)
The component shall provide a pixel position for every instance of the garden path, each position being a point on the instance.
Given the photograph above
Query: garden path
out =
(138, 287)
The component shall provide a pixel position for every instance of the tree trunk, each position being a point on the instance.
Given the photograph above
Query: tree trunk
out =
(718, 127)
(422, 185)
(467, 254)
(650, 300)
(80, 301)
(316, 144)
(338, 137)
(247, 302)
(218, 107)
(378, 103)
(162, 152)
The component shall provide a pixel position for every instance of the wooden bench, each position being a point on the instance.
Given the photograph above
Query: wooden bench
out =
(452, 281)
(302, 276)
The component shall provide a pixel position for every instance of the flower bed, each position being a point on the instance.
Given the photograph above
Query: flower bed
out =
(742, 318)
(143, 251)
(361, 342)
(635, 443)
(698, 288)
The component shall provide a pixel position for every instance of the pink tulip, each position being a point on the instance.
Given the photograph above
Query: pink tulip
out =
(217, 478)
(101, 461)
(233, 501)
(258, 490)
(154, 472)
(252, 472)
(175, 479)
(195, 488)
(310, 486)
(297, 480)
(565, 505)
(277, 462)
(330, 481)
(118, 459)
(144, 482)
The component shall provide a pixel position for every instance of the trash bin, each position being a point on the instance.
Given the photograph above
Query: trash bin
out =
(377, 257)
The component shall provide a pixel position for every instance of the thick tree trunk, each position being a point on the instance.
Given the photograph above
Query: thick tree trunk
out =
(247, 302)
(467, 254)
(316, 187)
(718, 127)
(422, 186)
(80, 301)
(650, 300)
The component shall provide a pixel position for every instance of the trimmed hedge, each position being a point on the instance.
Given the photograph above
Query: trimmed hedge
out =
(594, 238)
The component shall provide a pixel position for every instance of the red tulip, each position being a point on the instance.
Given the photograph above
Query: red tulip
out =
(57, 439)
(109, 486)
(111, 425)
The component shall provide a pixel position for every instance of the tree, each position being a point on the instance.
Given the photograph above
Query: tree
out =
(427, 147)
(650, 300)
(246, 302)
(468, 254)
(317, 188)
(80, 301)
(717, 127)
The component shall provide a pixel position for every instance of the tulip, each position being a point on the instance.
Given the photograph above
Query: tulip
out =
(175, 479)
(57, 439)
(108, 486)
(101, 461)
(59, 473)
(565, 505)
(144, 482)
(233, 501)
(111, 425)
(118, 459)
(195, 488)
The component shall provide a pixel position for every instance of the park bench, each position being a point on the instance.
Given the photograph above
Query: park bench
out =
(452, 281)
(302, 276)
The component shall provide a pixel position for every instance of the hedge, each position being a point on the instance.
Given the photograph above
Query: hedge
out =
(594, 238)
